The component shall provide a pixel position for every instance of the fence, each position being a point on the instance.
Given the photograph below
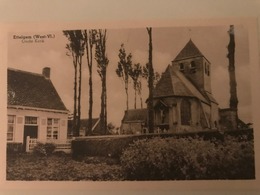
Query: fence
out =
(60, 146)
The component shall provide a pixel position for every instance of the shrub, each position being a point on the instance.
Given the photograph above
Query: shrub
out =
(44, 149)
(14, 148)
(188, 158)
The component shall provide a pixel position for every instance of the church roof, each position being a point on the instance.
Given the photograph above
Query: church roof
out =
(174, 83)
(190, 50)
(32, 90)
(135, 115)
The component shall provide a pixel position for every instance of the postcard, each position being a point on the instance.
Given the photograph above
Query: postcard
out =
(158, 104)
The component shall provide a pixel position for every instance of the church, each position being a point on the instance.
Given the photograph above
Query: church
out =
(182, 99)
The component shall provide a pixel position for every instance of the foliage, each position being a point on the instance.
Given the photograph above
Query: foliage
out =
(189, 158)
(124, 68)
(156, 76)
(90, 39)
(76, 49)
(13, 148)
(44, 149)
(61, 167)
(136, 74)
(102, 63)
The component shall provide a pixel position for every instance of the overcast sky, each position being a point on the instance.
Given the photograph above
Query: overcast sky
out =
(212, 41)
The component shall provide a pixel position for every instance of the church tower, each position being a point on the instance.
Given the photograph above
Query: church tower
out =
(192, 63)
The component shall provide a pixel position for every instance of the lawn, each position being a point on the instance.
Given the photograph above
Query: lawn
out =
(27, 167)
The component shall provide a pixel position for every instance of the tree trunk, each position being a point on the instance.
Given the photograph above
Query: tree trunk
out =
(141, 100)
(150, 84)
(126, 91)
(90, 102)
(89, 52)
(79, 95)
(232, 75)
(135, 99)
(105, 102)
(74, 126)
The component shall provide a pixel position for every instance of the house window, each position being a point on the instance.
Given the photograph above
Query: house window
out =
(181, 67)
(10, 127)
(185, 112)
(53, 125)
(30, 120)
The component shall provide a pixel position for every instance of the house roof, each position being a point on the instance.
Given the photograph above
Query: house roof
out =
(135, 115)
(174, 83)
(84, 123)
(32, 90)
(190, 50)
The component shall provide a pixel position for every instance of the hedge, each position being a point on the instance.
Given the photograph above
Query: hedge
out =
(189, 158)
(113, 146)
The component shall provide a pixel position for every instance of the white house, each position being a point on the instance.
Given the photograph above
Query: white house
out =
(34, 108)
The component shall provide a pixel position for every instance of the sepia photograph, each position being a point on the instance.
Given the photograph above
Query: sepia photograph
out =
(130, 104)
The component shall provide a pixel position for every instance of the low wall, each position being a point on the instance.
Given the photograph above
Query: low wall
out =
(113, 146)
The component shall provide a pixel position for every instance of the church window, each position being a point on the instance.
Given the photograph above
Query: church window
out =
(185, 112)
(181, 67)
(192, 67)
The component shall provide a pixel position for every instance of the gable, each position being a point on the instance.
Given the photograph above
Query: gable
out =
(32, 90)
(189, 51)
(84, 123)
(174, 83)
(135, 115)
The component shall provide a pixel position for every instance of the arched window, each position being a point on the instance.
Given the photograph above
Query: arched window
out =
(185, 112)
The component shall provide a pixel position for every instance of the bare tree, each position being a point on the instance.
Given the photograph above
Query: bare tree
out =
(123, 69)
(150, 82)
(231, 68)
(102, 63)
(76, 49)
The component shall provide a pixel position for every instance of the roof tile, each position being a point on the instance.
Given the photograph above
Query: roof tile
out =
(32, 90)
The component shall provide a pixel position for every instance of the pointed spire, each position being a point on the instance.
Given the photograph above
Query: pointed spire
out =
(189, 50)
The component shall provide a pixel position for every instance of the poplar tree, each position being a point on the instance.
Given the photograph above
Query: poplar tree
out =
(76, 50)
(123, 69)
(102, 63)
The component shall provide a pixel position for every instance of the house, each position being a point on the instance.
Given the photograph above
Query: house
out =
(84, 127)
(134, 121)
(34, 108)
(182, 98)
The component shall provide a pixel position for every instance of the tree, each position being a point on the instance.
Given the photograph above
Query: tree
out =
(136, 73)
(102, 63)
(156, 76)
(150, 82)
(232, 75)
(89, 38)
(76, 49)
(123, 69)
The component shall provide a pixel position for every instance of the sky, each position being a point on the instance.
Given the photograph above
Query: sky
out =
(212, 41)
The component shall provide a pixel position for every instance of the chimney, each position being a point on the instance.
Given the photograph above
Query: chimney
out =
(46, 72)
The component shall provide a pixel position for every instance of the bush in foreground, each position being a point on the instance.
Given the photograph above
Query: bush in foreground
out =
(189, 158)
(44, 149)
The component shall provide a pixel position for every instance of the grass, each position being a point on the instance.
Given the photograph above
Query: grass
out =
(28, 167)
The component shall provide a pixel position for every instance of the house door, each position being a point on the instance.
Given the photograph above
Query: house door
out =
(31, 131)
